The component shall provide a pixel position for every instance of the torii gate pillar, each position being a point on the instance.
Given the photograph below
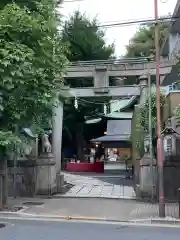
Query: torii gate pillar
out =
(57, 133)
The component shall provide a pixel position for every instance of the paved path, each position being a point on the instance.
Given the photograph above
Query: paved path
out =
(102, 186)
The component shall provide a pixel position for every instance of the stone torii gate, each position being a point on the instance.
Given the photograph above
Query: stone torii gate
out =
(101, 71)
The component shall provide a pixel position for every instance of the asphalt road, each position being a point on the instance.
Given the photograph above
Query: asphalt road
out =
(48, 230)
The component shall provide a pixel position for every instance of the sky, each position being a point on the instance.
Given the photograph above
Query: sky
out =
(118, 11)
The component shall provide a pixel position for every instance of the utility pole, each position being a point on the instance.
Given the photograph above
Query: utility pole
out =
(158, 116)
(150, 130)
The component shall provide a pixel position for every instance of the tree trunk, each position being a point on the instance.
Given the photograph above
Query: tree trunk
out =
(154, 144)
(3, 179)
(80, 141)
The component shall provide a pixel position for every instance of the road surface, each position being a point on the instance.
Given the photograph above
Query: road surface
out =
(48, 230)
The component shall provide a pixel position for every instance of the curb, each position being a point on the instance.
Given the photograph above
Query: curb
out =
(165, 221)
(161, 221)
(58, 217)
(171, 223)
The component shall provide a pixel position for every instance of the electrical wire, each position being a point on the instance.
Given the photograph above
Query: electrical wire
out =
(117, 24)
(163, 1)
(72, 1)
(130, 22)
(145, 21)
(135, 22)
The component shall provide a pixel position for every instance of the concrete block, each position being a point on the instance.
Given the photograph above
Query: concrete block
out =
(60, 182)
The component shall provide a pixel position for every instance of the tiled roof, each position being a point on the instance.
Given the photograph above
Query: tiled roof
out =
(117, 130)
(112, 138)
(119, 115)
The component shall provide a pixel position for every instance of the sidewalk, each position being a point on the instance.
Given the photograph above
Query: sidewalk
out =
(86, 208)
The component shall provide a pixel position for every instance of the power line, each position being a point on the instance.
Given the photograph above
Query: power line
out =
(134, 22)
(163, 1)
(145, 21)
(129, 22)
(72, 1)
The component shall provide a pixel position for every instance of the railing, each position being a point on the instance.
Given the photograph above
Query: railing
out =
(110, 61)
(174, 87)
(126, 61)
(120, 64)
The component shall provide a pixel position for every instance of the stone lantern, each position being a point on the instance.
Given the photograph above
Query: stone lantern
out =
(171, 138)
(171, 143)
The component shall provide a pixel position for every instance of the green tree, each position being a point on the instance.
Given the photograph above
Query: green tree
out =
(142, 120)
(85, 41)
(32, 56)
(142, 43)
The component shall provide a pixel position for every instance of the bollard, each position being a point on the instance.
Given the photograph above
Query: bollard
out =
(179, 201)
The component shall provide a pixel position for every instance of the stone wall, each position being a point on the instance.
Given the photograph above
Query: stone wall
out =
(171, 177)
(25, 178)
(3, 185)
(32, 177)
(3, 196)
(171, 180)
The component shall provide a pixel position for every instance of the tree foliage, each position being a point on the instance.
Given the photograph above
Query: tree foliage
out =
(31, 58)
(176, 114)
(177, 111)
(137, 135)
(140, 123)
(144, 111)
(142, 43)
(85, 39)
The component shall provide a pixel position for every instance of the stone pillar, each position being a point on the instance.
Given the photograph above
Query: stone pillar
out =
(106, 154)
(101, 78)
(46, 175)
(143, 83)
(143, 80)
(148, 176)
(162, 77)
(57, 133)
